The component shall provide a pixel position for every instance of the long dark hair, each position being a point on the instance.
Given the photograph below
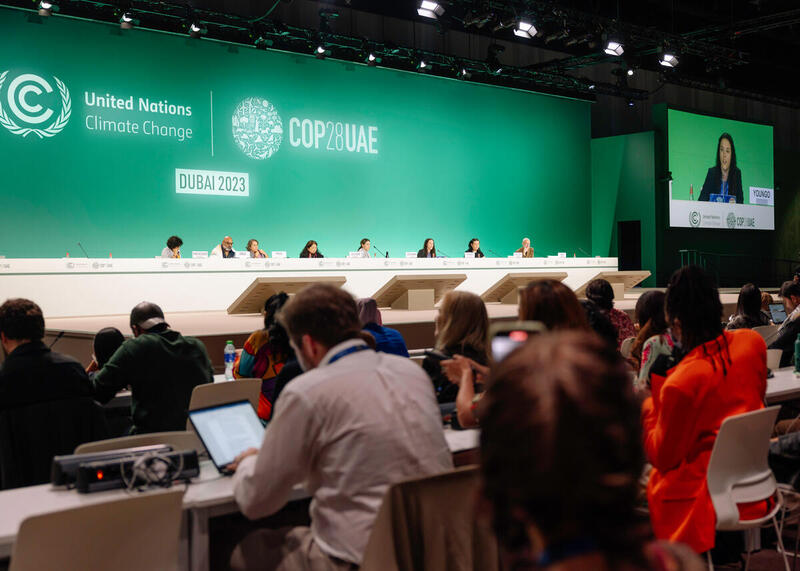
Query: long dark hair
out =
(552, 303)
(305, 253)
(692, 298)
(363, 241)
(433, 250)
(469, 246)
(278, 339)
(733, 153)
(650, 307)
(749, 302)
(564, 391)
(601, 292)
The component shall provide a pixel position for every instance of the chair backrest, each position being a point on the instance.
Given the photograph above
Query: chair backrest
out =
(625, 347)
(179, 440)
(738, 471)
(430, 523)
(31, 435)
(220, 393)
(139, 532)
(766, 331)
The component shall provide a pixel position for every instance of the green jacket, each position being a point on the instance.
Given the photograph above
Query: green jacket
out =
(161, 369)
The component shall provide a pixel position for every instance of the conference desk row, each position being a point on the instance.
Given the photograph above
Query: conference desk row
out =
(84, 287)
(207, 496)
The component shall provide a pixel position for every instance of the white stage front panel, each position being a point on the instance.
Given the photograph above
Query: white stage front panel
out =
(76, 287)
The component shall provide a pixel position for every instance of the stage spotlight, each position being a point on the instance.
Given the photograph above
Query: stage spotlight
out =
(423, 65)
(614, 47)
(196, 31)
(321, 52)
(47, 8)
(525, 30)
(668, 59)
(463, 73)
(630, 102)
(373, 60)
(630, 72)
(126, 21)
(492, 61)
(429, 9)
(263, 43)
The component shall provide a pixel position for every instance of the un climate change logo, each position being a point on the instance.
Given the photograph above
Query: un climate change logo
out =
(694, 219)
(24, 103)
(257, 128)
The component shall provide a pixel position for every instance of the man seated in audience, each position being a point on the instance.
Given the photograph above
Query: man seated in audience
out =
(353, 424)
(787, 333)
(31, 372)
(161, 367)
(225, 249)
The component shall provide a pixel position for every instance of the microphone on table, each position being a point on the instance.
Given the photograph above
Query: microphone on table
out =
(386, 255)
(443, 255)
(588, 255)
(83, 249)
(493, 252)
(59, 336)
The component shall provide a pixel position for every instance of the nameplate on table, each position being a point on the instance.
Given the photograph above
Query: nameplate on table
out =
(199, 255)
(244, 254)
(411, 254)
(278, 253)
(562, 254)
(356, 255)
(516, 255)
(469, 254)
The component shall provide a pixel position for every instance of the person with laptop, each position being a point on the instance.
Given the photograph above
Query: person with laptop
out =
(161, 367)
(789, 329)
(354, 423)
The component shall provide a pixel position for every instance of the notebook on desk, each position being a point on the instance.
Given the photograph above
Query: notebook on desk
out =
(227, 430)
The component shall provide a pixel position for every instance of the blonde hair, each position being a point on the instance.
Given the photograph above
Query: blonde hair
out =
(463, 322)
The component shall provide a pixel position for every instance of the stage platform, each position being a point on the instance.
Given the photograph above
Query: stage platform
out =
(214, 328)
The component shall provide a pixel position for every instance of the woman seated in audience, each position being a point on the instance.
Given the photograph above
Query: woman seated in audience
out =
(255, 251)
(387, 340)
(311, 250)
(462, 326)
(601, 292)
(723, 373)
(549, 302)
(561, 458)
(264, 355)
(105, 344)
(748, 309)
(653, 339)
(599, 322)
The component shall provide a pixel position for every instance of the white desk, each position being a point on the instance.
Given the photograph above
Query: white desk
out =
(784, 386)
(210, 495)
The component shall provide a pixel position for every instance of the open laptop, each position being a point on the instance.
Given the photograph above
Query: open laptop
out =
(778, 313)
(227, 430)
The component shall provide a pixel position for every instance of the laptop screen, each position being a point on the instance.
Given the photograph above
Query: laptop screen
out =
(778, 313)
(227, 430)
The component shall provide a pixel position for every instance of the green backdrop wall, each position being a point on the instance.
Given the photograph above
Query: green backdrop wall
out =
(430, 156)
(623, 189)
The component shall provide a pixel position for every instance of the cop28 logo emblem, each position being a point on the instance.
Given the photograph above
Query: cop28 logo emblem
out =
(30, 99)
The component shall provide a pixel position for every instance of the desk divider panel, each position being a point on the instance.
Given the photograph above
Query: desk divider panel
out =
(252, 299)
(506, 289)
(414, 291)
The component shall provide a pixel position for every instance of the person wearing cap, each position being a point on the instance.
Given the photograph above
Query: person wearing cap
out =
(161, 367)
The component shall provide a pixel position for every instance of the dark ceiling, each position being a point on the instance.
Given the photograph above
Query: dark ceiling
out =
(742, 47)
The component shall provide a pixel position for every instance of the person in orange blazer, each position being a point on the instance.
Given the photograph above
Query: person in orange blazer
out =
(722, 374)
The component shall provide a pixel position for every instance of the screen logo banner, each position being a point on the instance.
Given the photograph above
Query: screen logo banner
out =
(21, 109)
(762, 196)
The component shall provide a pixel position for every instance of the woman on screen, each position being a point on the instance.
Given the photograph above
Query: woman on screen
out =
(428, 249)
(311, 250)
(474, 246)
(723, 181)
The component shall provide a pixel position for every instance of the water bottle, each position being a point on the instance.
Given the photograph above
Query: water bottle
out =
(230, 357)
(797, 355)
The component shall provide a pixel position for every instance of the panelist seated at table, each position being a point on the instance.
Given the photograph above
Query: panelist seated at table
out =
(160, 366)
(364, 247)
(311, 250)
(225, 249)
(173, 249)
(254, 250)
(474, 247)
(428, 249)
(526, 250)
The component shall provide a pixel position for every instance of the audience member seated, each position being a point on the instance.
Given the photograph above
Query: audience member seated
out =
(106, 342)
(601, 292)
(356, 422)
(561, 457)
(173, 249)
(264, 354)
(766, 301)
(723, 373)
(599, 322)
(788, 330)
(748, 310)
(461, 328)
(225, 249)
(311, 250)
(46, 404)
(552, 303)
(160, 366)
(387, 340)
(653, 339)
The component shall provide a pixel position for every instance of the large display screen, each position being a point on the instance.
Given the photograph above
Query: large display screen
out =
(119, 139)
(722, 173)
